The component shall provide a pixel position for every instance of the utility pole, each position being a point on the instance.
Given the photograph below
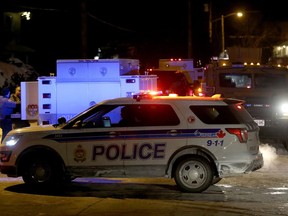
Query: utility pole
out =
(209, 8)
(222, 33)
(189, 30)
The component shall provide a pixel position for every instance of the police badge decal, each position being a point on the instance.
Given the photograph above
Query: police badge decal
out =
(79, 154)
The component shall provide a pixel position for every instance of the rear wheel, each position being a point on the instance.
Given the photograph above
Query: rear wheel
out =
(193, 174)
(285, 142)
(42, 170)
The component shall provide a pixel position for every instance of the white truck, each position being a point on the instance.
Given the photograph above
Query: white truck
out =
(79, 84)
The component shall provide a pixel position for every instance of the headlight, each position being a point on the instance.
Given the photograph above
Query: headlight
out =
(11, 140)
(284, 109)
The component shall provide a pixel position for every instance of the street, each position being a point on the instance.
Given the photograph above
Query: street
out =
(264, 192)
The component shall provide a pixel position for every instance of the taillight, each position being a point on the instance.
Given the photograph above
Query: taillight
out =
(241, 133)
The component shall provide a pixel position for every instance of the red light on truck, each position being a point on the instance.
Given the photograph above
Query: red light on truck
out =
(179, 59)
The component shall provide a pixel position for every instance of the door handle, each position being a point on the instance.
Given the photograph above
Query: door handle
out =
(113, 134)
(173, 132)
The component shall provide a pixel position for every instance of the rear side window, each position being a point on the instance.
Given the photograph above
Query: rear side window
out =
(156, 115)
(230, 114)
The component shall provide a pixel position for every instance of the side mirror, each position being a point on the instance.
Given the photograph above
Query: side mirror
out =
(106, 121)
(61, 121)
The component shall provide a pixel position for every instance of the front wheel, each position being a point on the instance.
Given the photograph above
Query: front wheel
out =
(41, 170)
(193, 175)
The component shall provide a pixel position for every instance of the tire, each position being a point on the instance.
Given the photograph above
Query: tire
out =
(284, 136)
(42, 170)
(69, 179)
(193, 175)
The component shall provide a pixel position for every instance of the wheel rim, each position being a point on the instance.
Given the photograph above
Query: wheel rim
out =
(40, 172)
(193, 174)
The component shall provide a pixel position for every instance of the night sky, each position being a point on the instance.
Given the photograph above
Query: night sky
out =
(144, 29)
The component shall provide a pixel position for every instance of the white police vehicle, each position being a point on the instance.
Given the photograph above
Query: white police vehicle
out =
(196, 141)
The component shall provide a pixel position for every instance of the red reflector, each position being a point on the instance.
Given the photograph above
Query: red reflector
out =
(241, 134)
(5, 156)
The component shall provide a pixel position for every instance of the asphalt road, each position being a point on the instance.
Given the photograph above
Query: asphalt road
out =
(264, 192)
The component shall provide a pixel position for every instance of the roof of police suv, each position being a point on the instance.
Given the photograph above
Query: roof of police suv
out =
(170, 99)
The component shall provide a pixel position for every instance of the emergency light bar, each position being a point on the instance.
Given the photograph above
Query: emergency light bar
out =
(146, 95)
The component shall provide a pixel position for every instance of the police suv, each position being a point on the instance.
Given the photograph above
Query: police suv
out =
(195, 140)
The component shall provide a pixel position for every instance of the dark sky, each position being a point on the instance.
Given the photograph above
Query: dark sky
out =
(158, 28)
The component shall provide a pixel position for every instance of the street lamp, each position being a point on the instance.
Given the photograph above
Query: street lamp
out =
(222, 18)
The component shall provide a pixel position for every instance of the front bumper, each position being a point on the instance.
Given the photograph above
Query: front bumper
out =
(10, 171)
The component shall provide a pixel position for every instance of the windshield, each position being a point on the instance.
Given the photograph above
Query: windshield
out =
(259, 80)
(235, 80)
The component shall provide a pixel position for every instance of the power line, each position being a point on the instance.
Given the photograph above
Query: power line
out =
(110, 24)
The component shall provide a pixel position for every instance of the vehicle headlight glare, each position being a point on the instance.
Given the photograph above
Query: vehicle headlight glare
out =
(11, 141)
(284, 108)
